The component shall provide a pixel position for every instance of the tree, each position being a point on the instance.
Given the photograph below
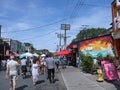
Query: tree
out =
(30, 46)
(90, 33)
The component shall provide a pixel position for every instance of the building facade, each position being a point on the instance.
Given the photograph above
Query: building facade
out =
(116, 26)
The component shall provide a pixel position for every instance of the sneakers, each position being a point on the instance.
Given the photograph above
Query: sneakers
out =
(52, 81)
(34, 84)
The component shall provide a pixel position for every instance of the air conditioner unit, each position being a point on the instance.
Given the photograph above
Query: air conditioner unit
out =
(117, 2)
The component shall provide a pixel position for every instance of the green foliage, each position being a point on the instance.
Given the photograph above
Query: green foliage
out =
(87, 62)
(99, 56)
(28, 44)
(51, 54)
(90, 33)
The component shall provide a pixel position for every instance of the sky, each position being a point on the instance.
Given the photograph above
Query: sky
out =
(38, 21)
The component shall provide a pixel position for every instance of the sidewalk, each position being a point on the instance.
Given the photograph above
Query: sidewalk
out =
(75, 79)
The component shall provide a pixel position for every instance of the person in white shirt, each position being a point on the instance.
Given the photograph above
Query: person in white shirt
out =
(35, 72)
(50, 65)
(13, 70)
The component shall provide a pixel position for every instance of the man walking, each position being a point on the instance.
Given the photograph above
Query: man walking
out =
(13, 70)
(50, 65)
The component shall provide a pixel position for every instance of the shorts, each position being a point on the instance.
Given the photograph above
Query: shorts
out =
(13, 77)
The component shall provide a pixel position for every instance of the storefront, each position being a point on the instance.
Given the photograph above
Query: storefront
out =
(116, 26)
(73, 48)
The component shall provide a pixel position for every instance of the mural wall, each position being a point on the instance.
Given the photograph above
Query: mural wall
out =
(101, 45)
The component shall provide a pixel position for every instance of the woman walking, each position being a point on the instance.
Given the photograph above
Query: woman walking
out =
(35, 72)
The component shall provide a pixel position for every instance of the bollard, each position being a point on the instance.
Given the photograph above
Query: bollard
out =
(100, 75)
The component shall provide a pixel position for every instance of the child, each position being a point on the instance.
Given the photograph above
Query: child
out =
(35, 72)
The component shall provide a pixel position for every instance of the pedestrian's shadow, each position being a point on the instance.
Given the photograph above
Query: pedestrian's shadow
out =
(116, 83)
(28, 76)
(21, 87)
(55, 80)
(40, 81)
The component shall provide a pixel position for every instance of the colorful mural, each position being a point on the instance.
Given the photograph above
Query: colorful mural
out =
(102, 45)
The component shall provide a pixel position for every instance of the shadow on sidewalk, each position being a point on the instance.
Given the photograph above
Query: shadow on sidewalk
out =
(116, 83)
(40, 81)
(21, 87)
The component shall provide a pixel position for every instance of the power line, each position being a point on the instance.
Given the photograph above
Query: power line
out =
(39, 35)
(46, 25)
(81, 3)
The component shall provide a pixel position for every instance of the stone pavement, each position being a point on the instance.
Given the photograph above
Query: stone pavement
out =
(26, 84)
(75, 79)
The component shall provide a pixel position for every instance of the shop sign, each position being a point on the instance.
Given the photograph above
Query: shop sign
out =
(110, 71)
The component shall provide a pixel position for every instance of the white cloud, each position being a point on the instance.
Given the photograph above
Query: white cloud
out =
(96, 18)
(34, 14)
(19, 26)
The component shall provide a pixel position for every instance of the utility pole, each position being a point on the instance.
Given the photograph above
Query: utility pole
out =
(60, 36)
(65, 27)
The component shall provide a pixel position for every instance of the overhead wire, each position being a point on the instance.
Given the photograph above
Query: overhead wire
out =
(46, 25)
(73, 14)
(76, 9)
(38, 36)
(77, 6)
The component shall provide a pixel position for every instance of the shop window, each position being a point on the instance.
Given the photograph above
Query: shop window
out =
(118, 12)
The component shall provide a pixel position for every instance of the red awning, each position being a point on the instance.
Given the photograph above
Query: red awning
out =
(72, 46)
(62, 52)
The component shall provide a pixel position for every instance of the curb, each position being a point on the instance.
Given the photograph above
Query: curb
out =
(65, 82)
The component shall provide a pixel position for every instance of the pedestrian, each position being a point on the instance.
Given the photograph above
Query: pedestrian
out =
(78, 62)
(63, 62)
(57, 63)
(38, 62)
(24, 67)
(50, 65)
(13, 70)
(43, 64)
(30, 64)
(35, 72)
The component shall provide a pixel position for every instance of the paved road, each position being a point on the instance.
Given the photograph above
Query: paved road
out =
(75, 79)
(26, 84)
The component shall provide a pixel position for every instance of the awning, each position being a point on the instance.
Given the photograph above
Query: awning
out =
(72, 46)
(62, 52)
